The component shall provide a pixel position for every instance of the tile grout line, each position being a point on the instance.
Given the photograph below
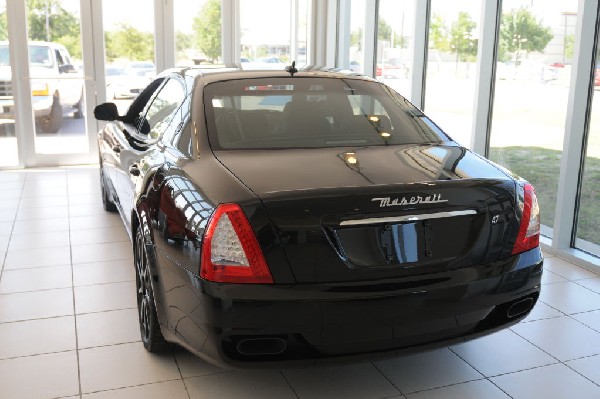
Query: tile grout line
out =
(485, 377)
(289, 383)
(63, 288)
(545, 318)
(497, 386)
(583, 286)
(73, 292)
(582, 323)
(564, 363)
(80, 263)
(12, 229)
(125, 387)
(388, 379)
(180, 374)
(578, 373)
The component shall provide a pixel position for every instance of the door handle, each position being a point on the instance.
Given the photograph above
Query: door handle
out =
(134, 170)
(117, 149)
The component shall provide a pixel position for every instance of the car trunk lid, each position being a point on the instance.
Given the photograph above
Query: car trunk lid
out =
(388, 212)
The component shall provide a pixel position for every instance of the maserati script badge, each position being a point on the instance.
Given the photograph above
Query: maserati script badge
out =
(430, 199)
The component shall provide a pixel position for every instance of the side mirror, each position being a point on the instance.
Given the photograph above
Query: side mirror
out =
(106, 112)
(67, 68)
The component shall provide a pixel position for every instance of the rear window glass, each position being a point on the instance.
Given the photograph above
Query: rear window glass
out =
(303, 112)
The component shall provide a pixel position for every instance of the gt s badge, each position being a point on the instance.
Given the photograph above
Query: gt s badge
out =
(430, 199)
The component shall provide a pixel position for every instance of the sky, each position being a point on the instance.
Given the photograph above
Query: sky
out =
(140, 13)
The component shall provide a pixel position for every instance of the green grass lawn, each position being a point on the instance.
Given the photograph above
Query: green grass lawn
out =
(541, 167)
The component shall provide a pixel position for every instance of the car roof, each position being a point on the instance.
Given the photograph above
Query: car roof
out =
(218, 74)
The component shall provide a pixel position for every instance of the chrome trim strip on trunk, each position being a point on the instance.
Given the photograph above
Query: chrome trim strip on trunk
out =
(407, 218)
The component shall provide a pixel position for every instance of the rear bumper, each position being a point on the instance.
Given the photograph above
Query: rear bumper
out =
(252, 325)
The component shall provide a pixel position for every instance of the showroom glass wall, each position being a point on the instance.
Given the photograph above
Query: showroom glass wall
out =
(587, 232)
(265, 45)
(128, 48)
(357, 35)
(57, 76)
(270, 45)
(191, 17)
(394, 41)
(451, 66)
(8, 141)
(533, 73)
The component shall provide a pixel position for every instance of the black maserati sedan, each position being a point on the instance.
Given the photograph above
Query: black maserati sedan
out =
(304, 216)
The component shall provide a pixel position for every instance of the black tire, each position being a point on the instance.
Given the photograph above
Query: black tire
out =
(52, 122)
(107, 203)
(151, 335)
(78, 114)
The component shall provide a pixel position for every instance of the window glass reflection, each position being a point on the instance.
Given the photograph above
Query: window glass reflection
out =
(532, 85)
(56, 76)
(129, 49)
(588, 234)
(8, 142)
(451, 68)
(197, 32)
(265, 44)
(357, 35)
(394, 41)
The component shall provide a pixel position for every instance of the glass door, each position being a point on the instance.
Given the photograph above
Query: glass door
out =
(8, 141)
(533, 78)
(57, 77)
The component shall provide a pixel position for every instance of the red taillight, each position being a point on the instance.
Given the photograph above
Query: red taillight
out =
(529, 230)
(230, 251)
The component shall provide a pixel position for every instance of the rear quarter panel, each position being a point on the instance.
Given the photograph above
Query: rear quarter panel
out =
(174, 209)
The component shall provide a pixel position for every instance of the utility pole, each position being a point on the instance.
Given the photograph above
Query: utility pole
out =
(47, 22)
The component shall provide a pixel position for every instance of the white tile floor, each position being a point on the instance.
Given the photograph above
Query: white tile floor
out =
(68, 324)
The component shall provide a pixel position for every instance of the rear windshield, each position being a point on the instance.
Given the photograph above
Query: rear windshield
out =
(308, 112)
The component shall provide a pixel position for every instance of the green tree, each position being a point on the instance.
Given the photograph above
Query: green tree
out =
(438, 33)
(61, 27)
(49, 21)
(207, 30)
(384, 30)
(183, 42)
(461, 37)
(521, 33)
(129, 42)
(3, 26)
(569, 46)
(356, 38)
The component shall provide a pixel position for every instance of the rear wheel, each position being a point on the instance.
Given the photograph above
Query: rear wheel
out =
(107, 203)
(78, 114)
(152, 337)
(52, 122)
